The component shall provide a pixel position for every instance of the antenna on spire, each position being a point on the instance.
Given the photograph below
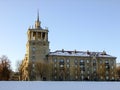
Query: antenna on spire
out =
(37, 23)
(38, 15)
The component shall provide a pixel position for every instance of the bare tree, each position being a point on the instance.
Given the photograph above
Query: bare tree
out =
(18, 63)
(5, 69)
(38, 70)
(118, 72)
(42, 69)
(101, 72)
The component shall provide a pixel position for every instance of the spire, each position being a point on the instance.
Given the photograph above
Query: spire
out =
(38, 16)
(37, 23)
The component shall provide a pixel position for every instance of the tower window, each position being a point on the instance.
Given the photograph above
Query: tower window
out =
(39, 35)
(34, 35)
(33, 49)
(33, 58)
(43, 35)
(33, 43)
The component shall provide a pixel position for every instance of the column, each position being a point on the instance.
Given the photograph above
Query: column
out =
(41, 36)
(36, 35)
(31, 35)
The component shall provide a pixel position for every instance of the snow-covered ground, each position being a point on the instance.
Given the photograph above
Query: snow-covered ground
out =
(45, 85)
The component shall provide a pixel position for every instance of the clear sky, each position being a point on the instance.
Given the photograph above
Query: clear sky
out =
(83, 25)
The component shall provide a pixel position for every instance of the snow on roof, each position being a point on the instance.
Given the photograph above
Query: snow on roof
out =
(80, 53)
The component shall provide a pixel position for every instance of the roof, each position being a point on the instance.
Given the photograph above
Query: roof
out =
(80, 53)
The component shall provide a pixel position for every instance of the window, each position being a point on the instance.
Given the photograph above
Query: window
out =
(107, 67)
(107, 72)
(112, 61)
(39, 35)
(88, 72)
(75, 61)
(88, 61)
(34, 36)
(81, 66)
(33, 57)
(94, 69)
(61, 65)
(68, 72)
(55, 65)
(107, 77)
(76, 72)
(113, 78)
(82, 77)
(106, 61)
(43, 35)
(81, 61)
(94, 61)
(33, 48)
(55, 60)
(112, 67)
(100, 61)
(61, 61)
(33, 43)
(55, 77)
(88, 77)
(55, 70)
(101, 77)
(68, 60)
(81, 72)
(68, 65)
(33, 65)
(76, 77)
(75, 65)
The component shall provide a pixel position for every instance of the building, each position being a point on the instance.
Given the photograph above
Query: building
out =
(118, 71)
(14, 76)
(62, 64)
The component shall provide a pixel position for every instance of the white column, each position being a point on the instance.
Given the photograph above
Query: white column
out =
(31, 35)
(41, 36)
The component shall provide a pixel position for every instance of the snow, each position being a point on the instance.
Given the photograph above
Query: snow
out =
(50, 85)
(79, 53)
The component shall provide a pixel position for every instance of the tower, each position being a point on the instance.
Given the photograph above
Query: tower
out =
(37, 46)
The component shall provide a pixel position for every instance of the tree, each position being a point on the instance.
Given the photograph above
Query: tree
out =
(18, 64)
(5, 70)
(38, 70)
(18, 69)
(118, 72)
(101, 72)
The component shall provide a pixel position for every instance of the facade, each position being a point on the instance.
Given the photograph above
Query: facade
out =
(118, 71)
(62, 64)
(81, 65)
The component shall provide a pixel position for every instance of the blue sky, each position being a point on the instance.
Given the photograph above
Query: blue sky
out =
(73, 24)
